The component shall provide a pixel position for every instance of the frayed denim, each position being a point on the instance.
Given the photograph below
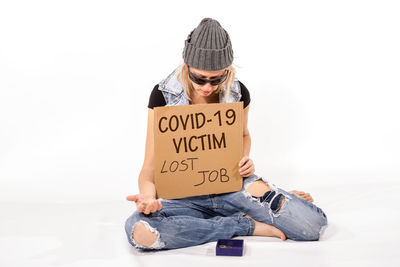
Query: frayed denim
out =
(196, 220)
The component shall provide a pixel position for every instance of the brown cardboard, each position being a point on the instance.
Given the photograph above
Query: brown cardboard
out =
(197, 149)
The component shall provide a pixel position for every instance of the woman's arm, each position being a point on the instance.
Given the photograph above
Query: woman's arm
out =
(246, 133)
(146, 201)
(246, 165)
(146, 176)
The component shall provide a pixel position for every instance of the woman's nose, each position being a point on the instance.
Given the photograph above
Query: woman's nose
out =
(207, 87)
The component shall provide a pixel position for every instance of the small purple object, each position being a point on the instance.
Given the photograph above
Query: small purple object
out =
(229, 247)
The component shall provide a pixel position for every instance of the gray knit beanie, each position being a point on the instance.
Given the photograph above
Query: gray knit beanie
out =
(208, 47)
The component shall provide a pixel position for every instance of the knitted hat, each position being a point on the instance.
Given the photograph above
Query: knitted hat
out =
(208, 47)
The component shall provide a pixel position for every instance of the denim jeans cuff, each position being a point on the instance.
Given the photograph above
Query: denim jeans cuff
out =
(251, 225)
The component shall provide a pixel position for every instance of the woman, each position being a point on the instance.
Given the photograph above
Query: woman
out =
(207, 76)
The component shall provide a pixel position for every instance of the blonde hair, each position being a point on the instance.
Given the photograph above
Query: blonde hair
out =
(183, 78)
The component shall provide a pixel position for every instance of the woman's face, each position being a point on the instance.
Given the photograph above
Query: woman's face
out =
(207, 89)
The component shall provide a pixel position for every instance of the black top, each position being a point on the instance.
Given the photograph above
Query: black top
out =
(157, 99)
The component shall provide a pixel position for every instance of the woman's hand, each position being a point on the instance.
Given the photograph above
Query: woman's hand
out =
(303, 195)
(145, 203)
(246, 167)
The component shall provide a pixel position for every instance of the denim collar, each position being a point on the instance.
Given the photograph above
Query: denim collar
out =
(173, 86)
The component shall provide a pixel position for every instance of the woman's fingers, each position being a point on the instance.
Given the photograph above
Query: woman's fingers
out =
(309, 197)
(155, 206)
(243, 161)
(247, 169)
(132, 198)
(151, 207)
(248, 172)
(147, 209)
(145, 204)
(247, 164)
(303, 195)
(139, 208)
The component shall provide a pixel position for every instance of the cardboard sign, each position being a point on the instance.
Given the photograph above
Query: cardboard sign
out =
(197, 149)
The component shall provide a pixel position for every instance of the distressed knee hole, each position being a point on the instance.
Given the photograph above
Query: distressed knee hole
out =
(258, 188)
(261, 191)
(143, 236)
(275, 200)
(281, 202)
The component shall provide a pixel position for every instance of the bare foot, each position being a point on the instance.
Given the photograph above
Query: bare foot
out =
(263, 229)
(303, 195)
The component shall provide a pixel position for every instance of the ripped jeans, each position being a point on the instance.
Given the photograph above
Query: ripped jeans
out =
(196, 220)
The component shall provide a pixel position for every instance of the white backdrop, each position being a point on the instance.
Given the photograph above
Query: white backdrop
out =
(75, 78)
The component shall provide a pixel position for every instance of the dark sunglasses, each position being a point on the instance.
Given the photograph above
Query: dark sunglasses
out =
(202, 81)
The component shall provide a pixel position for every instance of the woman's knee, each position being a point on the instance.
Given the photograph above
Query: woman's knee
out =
(257, 188)
(141, 234)
(260, 190)
(312, 228)
(302, 220)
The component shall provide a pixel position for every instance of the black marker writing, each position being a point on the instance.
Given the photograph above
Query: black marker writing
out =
(213, 176)
(192, 143)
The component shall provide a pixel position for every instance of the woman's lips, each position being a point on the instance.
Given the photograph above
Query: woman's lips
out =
(206, 92)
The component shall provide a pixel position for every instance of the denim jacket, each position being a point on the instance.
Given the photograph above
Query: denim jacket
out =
(174, 92)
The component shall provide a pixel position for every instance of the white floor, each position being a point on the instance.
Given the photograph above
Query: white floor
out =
(363, 231)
